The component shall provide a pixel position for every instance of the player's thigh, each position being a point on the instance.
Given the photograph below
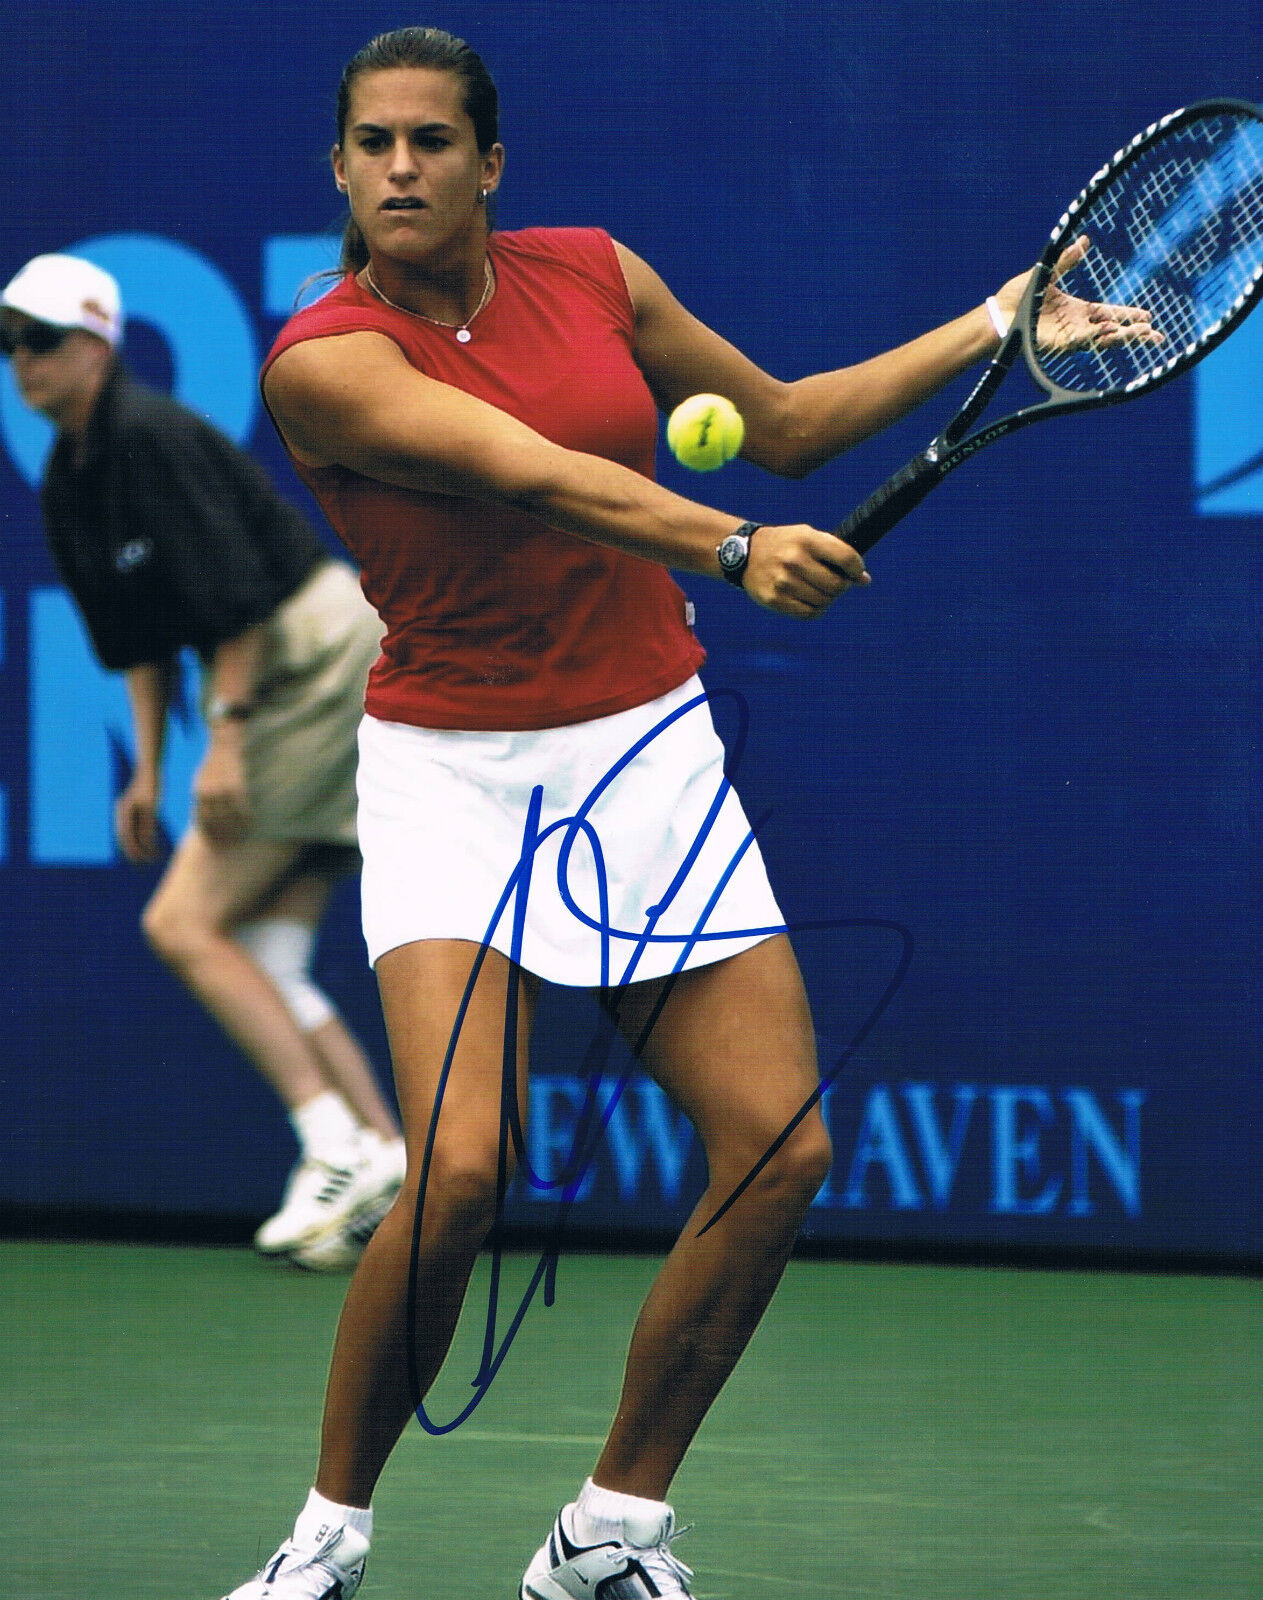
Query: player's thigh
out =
(302, 894)
(216, 886)
(733, 1044)
(447, 1006)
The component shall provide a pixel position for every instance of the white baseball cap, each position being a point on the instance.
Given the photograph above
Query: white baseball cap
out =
(68, 292)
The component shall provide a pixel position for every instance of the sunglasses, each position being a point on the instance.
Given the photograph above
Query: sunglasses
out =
(40, 338)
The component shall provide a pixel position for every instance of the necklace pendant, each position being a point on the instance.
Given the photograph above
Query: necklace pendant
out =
(463, 335)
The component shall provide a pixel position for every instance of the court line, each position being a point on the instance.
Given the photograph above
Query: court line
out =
(699, 1446)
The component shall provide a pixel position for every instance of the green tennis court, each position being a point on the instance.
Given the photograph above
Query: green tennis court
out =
(896, 1432)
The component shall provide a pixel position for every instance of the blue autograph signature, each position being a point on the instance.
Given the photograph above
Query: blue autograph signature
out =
(593, 1117)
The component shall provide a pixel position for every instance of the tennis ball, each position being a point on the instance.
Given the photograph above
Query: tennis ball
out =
(705, 431)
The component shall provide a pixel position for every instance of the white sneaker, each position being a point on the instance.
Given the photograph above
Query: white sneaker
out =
(317, 1196)
(322, 1195)
(333, 1570)
(639, 1567)
(339, 1249)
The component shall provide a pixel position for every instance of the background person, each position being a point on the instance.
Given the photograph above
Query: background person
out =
(168, 536)
(477, 414)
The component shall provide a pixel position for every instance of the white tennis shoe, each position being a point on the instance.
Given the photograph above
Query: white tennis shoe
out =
(340, 1248)
(641, 1566)
(333, 1569)
(322, 1198)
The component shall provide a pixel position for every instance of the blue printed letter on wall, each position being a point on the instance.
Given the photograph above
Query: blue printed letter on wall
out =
(1228, 417)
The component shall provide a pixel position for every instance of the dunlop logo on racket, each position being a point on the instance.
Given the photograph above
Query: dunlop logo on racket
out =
(1157, 261)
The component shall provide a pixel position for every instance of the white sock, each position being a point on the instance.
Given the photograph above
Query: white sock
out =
(389, 1155)
(600, 1514)
(319, 1517)
(380, 1141)
(326, 1127)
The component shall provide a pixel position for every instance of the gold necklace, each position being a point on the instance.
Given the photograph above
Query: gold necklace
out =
(461, 328)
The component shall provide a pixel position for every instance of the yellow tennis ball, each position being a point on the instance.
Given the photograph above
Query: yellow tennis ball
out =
(705, 431)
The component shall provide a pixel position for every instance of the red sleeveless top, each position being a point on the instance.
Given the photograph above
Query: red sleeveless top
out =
(493, 620)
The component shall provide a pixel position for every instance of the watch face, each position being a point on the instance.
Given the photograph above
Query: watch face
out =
(732, 553)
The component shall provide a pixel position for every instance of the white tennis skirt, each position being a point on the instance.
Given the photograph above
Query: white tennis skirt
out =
(597, 854)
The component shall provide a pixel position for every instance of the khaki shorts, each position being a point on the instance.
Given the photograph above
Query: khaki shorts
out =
(300, 746)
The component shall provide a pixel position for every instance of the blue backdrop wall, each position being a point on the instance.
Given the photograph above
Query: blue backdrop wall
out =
(1029, 756)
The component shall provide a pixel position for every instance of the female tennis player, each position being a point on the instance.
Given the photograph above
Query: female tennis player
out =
(476, 412)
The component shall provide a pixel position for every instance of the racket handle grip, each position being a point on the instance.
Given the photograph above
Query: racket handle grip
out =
(890, 504)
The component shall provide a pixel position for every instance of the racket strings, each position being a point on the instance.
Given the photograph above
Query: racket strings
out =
(1177, 233)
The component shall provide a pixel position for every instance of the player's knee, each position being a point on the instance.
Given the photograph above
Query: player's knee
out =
(173, 936)
(461, 1186)
(790, 1178)
(284, 948)
(812, 1156)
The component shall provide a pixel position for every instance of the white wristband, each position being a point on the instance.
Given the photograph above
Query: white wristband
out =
(1000, 320)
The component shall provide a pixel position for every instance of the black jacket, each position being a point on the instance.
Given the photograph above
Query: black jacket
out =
(167, 535)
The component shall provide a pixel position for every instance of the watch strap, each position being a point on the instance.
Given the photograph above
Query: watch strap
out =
(221, 710)
(735, 573)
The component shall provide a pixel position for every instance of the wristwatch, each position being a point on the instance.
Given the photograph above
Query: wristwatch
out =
(734, 552)
(220, 710)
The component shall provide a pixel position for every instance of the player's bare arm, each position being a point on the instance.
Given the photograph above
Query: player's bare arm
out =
(792, 428)
(353, 400)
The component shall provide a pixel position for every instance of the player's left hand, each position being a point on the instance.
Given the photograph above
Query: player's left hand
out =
(220, 796)
(1067, 322)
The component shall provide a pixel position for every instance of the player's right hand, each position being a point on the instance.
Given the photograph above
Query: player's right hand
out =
(800, 571)
(136, 820)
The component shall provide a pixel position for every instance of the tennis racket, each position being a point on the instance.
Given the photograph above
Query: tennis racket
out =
(1171, 228)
